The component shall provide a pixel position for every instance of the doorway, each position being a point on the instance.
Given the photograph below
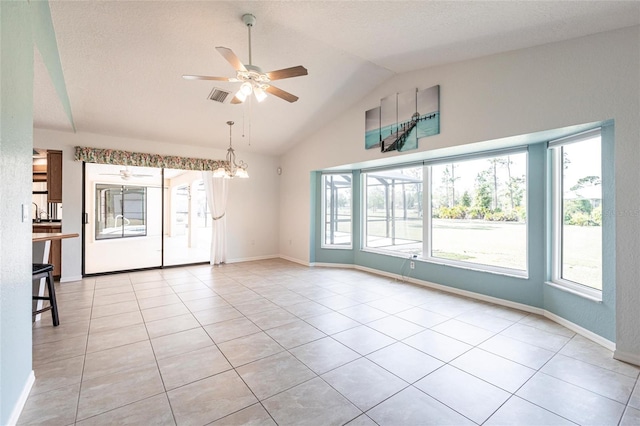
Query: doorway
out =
(187, 235)
(143, 217)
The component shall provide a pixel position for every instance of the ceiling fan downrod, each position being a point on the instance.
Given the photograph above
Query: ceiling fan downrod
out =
(249, 20)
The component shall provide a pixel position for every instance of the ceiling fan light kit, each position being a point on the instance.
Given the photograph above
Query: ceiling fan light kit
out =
(253, 79)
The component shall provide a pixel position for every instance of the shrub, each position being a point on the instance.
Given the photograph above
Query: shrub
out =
(596, 216)
(579, 219)
(455, 212)
(478, 212)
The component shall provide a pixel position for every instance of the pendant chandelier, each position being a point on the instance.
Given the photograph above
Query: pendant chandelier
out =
(232, 169)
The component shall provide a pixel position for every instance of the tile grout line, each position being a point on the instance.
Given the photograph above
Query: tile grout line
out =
(84, 359)
(240, 280)
(155, 358)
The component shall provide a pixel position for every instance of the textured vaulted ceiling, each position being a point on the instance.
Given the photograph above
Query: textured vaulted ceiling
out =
(123, 61)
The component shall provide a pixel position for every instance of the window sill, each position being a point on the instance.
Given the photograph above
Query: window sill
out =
(337, 247)
(390, 254)
(460, 265)
(577, 289)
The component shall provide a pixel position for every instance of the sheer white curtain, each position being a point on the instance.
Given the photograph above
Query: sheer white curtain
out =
(217, 189)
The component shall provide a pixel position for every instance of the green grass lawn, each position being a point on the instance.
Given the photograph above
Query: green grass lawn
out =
(501, 244)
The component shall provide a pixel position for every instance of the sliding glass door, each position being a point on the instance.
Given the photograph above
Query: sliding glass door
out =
(123, 218)
(135, 218)
(187, 221)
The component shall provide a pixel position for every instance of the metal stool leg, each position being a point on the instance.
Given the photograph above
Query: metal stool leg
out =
(52, 298)
(46, 271)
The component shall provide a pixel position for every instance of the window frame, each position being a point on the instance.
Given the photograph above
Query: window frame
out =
(323, 213)
(475, 266)
(98, 236)
(364, 213)
(557, 216)
(427, 211)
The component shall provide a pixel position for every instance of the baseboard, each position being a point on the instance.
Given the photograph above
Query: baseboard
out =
(457, 291)
(581, 331)
(17, 409)
(70, 279)
(627, 357)
(333, 265)
(252, 259)
(622, 356)
(294, 260)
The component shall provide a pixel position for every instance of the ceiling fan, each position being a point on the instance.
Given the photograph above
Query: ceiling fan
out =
(126, 174)
(253, 79)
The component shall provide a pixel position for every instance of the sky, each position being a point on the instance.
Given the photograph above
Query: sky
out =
(468, 170)
(584, 157)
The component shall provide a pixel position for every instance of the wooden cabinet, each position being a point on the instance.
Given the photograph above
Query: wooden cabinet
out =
(55, 253)
(51, 173)
(39, 172)
(54, 176)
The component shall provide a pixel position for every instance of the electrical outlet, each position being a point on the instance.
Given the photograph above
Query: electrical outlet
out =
(412, 265)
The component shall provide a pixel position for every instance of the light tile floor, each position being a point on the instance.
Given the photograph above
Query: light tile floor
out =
(273, 342)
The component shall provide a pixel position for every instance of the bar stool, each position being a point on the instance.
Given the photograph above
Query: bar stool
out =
(45, 270)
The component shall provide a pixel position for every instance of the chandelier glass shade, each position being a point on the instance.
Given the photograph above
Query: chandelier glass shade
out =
(233, 167)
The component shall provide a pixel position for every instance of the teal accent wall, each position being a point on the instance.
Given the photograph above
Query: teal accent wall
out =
(598, 318)
(16, 144)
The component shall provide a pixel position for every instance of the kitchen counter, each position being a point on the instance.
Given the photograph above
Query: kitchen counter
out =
(50, 236)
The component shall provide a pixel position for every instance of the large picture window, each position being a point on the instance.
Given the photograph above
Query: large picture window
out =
(394, 210)
(478, 211)
(577, 210)
(121, 211)
(336, 210)
(473, 213)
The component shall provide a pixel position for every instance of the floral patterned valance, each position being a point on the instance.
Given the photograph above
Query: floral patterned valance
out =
(126, 158)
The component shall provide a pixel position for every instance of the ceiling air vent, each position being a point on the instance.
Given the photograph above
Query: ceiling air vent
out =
(219, 95)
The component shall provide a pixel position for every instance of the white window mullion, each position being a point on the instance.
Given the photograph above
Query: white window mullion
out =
(556, 220)
(426, 213)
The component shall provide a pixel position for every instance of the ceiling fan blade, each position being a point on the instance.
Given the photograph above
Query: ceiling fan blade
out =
(287, 73)
(281, 94)
(235, 100)
(204, 77)
(231, 58)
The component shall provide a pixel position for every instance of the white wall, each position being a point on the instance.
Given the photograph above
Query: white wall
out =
(252, 216)
(579, 81)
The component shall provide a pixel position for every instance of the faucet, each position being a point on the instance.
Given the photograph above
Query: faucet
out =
(37, 212)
